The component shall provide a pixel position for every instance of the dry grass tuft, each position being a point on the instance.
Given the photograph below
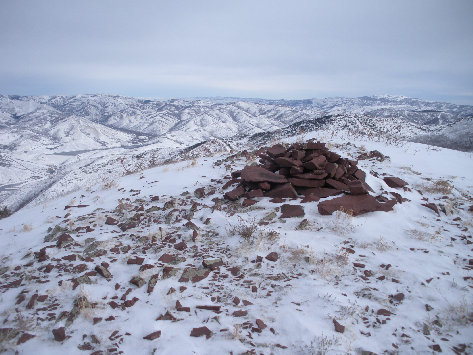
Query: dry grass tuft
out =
(27, 227)
(246, 229)
(442, 187)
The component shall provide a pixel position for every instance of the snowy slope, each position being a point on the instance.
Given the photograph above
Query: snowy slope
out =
(51, 145)
(397, 281)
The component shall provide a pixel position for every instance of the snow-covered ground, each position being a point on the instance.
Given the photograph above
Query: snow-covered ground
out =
(397, 281)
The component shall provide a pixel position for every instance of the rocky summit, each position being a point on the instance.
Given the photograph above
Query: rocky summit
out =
(309, 169)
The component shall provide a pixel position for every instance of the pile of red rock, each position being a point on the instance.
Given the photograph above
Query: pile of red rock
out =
(310, 170)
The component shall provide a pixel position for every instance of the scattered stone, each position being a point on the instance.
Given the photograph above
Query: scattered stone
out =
(180, 308)
(32, 301)
(248, 202)
(111, 221)
(212, 264)
(180, 246)
(338, 327)
(261, 325)
(24, 338)
(399, 297)
(103, 271)
(137, 281)
(394, 182)
(358, 187)
(167, 316)
(169, 271)
(383, 312)
(7, 334)
(59, 334)
(235, 194)
(194, 274)
(289, 211)
(153, 336)
(433, 207)
(273, 256)
(152, 283)
(198, 332)
(135, 261)
(215, 309)
(436, 348)
(64, 240)
(199, 193)
(239, 313)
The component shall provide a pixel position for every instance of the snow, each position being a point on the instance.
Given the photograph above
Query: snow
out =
(313, 282)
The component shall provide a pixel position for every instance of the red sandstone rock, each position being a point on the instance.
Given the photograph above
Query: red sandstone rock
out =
(296, 170)
(337, 184)
(284, 162)
(360, 175)
(135, 261)
(332, 157)
(180, 246)
(306, 182)
(315, 146)
(316, 175)
(432, 206)
(235, 194)
(356, 204)
(239, 313)
(282, 191)
(338, 327)
(198, 332)
(383, 312)
(59, 334)
(264, 185)
(288, 211)
(248, 202)
(152, 336)
(64, 240)
(394, 182)
(357, 187)
(321, 192)
(275, 151)
(24, 338)
(331, 168)
(273, 256)
(316, 163)
(255, 193)
(310, 198)
(259, 174)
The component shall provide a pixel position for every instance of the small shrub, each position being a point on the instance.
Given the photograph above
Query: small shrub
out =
(4, 212)
(245, 229)
(342, 224)
(27, 227)
(442, 187)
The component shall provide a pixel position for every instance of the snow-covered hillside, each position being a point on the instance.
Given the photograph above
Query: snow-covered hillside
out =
(158, 262)
(51, 145)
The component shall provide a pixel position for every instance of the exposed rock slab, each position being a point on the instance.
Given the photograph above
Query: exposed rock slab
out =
(355, 204)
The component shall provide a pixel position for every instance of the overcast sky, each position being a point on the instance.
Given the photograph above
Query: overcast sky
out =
(268, 49)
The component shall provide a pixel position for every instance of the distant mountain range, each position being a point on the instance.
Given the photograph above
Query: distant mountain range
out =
(53, 143)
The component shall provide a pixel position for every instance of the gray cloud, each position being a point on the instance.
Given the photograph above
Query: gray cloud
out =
(246, 48)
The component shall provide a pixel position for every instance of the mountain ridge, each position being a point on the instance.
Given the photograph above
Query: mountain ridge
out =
(45, 135)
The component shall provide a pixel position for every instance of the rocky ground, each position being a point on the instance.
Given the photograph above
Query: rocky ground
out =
(160, 262)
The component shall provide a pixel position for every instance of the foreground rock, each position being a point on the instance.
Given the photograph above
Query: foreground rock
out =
(355, 205)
